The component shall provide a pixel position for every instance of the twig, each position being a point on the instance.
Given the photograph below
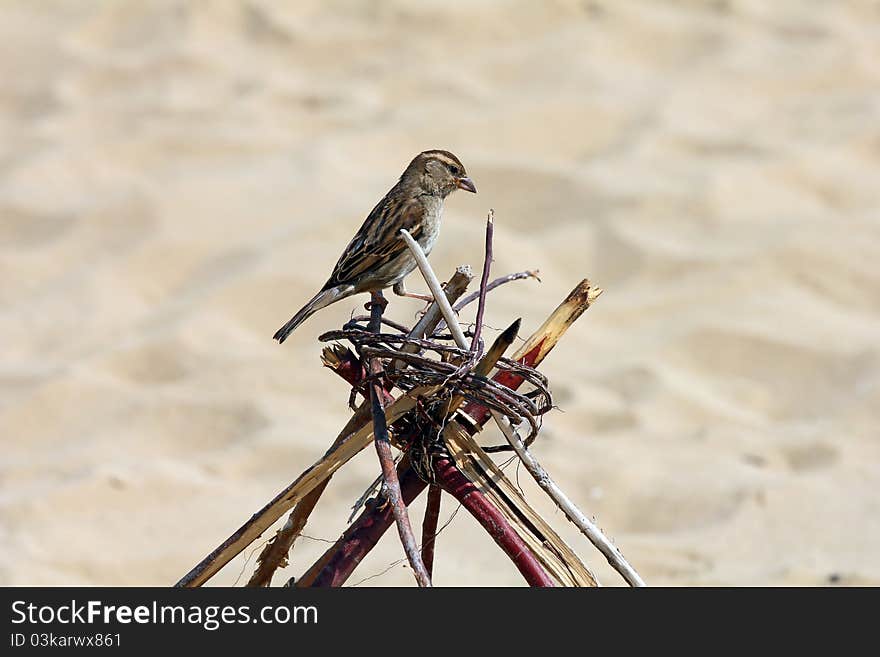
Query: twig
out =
(357, 319)
(275, 553)
(435, 287)
(350, 442)
(429, 526)
(484, 281)
(597, 538)
(473, 296)
(489, 360)
(391, 485)
(344, 362)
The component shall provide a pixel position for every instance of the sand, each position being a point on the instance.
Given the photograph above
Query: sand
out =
(176, 179)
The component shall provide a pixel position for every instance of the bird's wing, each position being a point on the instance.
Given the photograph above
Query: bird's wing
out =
(378, 240)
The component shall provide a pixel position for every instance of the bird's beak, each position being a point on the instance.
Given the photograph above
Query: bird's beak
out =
(467, 184)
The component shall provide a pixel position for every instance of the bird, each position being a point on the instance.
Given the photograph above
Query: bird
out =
(377, 257)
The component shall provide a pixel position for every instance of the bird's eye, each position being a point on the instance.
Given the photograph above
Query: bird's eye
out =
(455, 170)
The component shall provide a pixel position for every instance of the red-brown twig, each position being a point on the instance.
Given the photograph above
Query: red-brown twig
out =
(540, 343)
(387, 322)
(484, 281)
(518, 276)
(429, 527)
(391, 484)
(476, 347)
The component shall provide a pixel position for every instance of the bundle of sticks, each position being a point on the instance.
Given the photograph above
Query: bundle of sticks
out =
(428, 391)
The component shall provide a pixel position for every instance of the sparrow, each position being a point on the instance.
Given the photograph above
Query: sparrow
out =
(377, 257)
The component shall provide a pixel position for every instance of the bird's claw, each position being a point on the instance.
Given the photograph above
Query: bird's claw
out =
(421, 313)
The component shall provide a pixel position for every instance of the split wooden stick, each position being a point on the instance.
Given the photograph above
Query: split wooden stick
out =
(335, 458)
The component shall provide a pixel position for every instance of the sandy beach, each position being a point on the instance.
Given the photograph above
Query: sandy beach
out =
(176, 179)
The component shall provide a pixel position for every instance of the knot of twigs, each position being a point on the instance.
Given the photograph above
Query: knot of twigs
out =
(407, 364)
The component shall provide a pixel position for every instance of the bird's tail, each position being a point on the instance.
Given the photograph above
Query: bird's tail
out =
(321, 300)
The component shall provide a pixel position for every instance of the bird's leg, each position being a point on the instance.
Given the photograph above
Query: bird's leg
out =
(376, 306)
(400, 290)
(378, 298)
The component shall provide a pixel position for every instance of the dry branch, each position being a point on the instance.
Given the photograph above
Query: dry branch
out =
(554, 553)
(509, 278)
(574, 305)
(484, 282)
(391, 485)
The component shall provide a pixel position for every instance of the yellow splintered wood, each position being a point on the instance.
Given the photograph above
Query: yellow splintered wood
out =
(548, 334)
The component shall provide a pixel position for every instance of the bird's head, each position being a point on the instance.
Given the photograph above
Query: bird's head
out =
(438, 173)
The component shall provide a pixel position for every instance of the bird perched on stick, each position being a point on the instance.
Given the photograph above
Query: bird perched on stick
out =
(377, 257)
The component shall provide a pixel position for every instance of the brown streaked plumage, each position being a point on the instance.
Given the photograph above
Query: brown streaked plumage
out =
(377, 257)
